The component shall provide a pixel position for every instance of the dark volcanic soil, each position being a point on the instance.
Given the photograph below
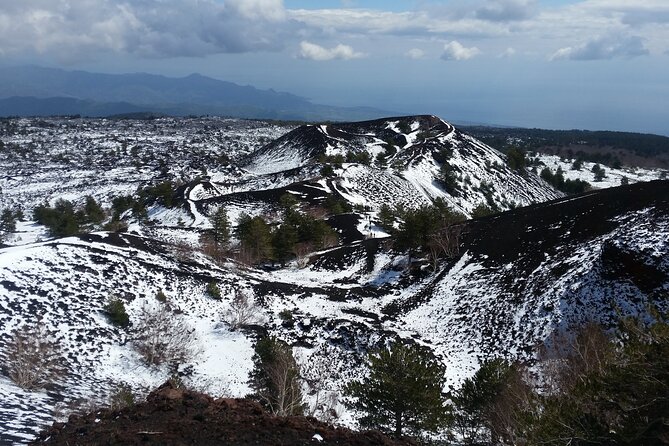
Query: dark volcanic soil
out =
(172, 416)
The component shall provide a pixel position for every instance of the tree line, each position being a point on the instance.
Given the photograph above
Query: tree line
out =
(296, 234)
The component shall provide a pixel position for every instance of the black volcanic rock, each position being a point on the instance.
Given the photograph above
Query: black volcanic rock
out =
(174, 416)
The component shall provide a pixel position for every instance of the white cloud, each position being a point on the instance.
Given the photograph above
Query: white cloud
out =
(455, 51)
(271, 10)
(599, 48)
(634, 13)
(415, 53)
(506, 10)
(509, 52)
(79, 29)
(414, 23)
(313, 51)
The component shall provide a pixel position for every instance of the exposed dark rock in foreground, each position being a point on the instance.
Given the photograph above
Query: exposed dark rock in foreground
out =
(172, 416)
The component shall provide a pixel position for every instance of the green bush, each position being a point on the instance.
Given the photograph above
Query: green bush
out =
(161, 296)
(121, 397)
(213, 290)
(515, 159)
(116, 314)
(482, 210)
(286, 315)
(327, 170)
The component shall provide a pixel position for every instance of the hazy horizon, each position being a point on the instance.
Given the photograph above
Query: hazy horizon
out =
(593, 64)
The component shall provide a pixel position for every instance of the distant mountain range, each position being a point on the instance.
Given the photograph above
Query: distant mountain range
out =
(38, 91)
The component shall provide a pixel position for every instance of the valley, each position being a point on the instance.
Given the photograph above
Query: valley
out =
(528, 260)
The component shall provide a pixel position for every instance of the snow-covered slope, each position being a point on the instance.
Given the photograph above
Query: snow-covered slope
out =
(520, 275)
(406, 154)
(613, 176)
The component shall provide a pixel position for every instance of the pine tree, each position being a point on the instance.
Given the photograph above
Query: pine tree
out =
(476, 397)
(284, 239)
(220, 226)
(7, 223)
(255, 236)
(403, 391)
(386, 217)
(93, 211)
(515, 159)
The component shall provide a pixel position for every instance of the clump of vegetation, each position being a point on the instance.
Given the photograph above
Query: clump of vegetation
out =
(8, 219)
(220, 227)
(335, 160)
(422, 228)
(242, 311)
(337, 205)
(482, 210)
(255, 236)
(516, 159)
(162, 193)
(115, 311)
(645, 145)
(161, 296)
(404, 127)
(33, 358)
(63, 219)
(362, 157)
(286, 317)
(260, 241)
(327, 170)
(162, 337)
(275, 378)
(558, 181)
(448, 178)
(599, 388)
(387, 217)
(213, 290)
(599, 171)
(121, 397)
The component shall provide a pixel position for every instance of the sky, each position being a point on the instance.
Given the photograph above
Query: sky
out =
(589, 64)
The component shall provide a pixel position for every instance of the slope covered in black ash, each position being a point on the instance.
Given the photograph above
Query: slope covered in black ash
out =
(527, 273)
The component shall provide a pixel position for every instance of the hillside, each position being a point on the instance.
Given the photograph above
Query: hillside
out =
(404, 163)
(540, 268)
(516, 277)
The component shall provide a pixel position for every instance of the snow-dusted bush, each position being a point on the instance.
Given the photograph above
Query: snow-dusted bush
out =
(32, 357)
(243, 310)
(160, 337)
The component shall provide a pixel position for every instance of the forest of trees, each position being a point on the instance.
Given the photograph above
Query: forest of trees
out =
(503, 138)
